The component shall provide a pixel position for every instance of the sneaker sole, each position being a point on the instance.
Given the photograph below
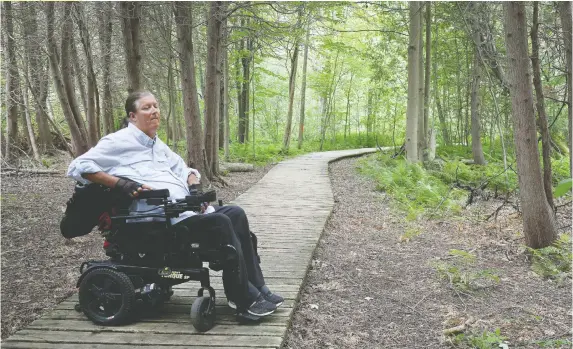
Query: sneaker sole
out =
(261, 314)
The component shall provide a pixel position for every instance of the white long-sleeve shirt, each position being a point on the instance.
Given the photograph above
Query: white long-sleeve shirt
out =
(132, 154)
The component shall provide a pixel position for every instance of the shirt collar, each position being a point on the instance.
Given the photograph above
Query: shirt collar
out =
(141, 137)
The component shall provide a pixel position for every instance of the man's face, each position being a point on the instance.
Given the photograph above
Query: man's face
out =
(147, 116)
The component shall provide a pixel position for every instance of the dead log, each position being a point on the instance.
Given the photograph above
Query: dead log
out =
(6, 170)
(236, 167)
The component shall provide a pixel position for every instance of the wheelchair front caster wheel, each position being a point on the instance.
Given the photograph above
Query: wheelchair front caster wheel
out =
(203, 314)
(107, 296)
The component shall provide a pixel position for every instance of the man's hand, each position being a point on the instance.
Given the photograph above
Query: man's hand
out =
(131, 188)
(192, 179)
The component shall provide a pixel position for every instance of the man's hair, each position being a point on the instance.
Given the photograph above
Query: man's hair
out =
(131, 103)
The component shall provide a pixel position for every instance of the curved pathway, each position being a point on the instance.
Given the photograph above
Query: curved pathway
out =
(287, 209)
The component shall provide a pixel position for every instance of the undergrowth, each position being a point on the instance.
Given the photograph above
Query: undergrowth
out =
(553, 262)
(433, 188)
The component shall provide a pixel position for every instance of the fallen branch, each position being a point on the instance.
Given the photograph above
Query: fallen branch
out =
(31, 170)
(236, 167)
(459, 328)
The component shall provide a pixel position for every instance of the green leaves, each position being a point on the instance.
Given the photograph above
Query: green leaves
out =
(563, 187)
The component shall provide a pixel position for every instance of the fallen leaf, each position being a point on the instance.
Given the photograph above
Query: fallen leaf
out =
(313, 306)
(368, 298)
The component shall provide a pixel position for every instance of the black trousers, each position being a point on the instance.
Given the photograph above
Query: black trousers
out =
(231, 226)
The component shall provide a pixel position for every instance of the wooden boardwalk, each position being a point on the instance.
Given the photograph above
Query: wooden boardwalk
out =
(287, 209)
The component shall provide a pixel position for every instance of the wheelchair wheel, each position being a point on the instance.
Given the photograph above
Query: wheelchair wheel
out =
(107, 297)
(203, 314)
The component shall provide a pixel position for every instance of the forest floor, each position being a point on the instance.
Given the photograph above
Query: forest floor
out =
(373, 281)
(40, 268)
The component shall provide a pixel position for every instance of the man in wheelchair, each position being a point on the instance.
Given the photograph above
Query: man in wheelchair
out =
(135, 161)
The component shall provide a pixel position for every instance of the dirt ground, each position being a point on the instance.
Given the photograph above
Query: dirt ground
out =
(40, 267)
(373, 281)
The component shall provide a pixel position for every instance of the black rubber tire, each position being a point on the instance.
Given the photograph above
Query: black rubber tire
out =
(201, 320)
(107, 297)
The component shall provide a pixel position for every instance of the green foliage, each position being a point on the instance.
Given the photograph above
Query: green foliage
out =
(461, 274)
(563, 187)
(553, 261)
(266, 152)
(415, 189)
(485, 340)
(554, 343)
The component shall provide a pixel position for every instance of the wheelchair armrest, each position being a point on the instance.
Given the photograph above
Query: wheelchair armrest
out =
(153, 194)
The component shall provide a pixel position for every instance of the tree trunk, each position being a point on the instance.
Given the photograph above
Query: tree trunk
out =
(12, 78)
(291, 86)
(245, 81)
(538, 219)
(28, 121)
(565, 14)
(193, 127)
(346, 124)
(225, 99)
(131, 16)
(38, 76)
(477, 149)
(421, 84)
(77, 73)
(212, 82)
(303, 91)
(543, 127)
(427, 77)
(105, 34)
(79, 141)
(93, 126)
(413, 84)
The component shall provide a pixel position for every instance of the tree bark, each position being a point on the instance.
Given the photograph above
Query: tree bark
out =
(346, 121)
(38, 76)
(543, 127)
(105, 34)
(213, 88)
(421, 84)
(303, 91)
(538, 219)
(225, 100)
(477, 149)
(413, 84)
(79, 141)
(427, 77)
(12, 77)
(93, 126)
(28, 121)
(291, 87)
(565, 14)
(193, 127)
(131, 17)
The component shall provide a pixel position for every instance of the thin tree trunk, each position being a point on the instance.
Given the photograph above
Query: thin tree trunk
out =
(291, 87)
(28, 121)
(543, 128)
(427, 77)
(193, 127)
(477, 149)
(105, 34)
(12, 78)
(76, 72)
(421, 118)
(303, 91)
(93, 126)
(213, 88)
(79, 140)
(131, 16)
(346, 124)
(538, 219)
(565, 14)
(413, 82)
(227, 131)
(38, 75)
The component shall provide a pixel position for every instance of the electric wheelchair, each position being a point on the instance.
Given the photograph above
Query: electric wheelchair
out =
(148, 256)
